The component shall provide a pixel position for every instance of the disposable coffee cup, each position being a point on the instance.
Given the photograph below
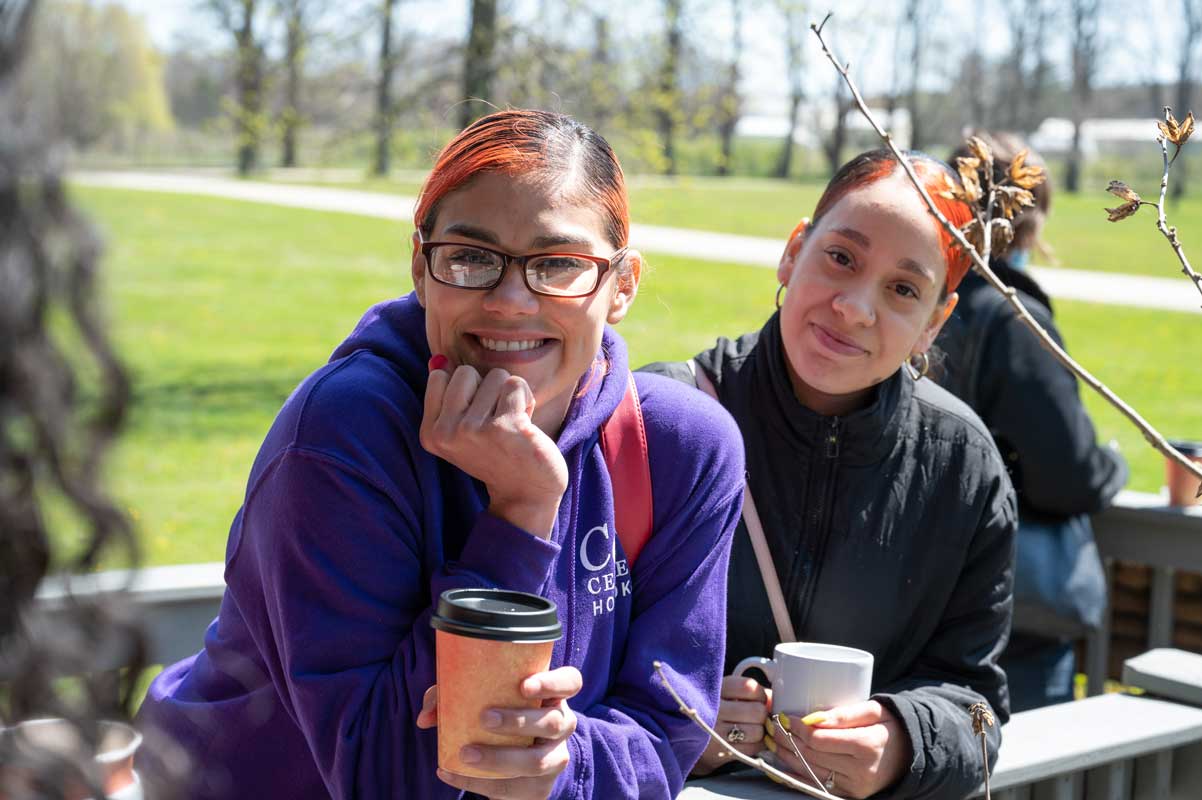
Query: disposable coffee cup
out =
(110, 765)
(1183, 484)
(487, 641)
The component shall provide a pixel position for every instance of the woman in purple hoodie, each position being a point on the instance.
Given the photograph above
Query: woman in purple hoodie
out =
(451, 442)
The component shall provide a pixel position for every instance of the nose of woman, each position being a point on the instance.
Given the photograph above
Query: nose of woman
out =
(855, 306)
(511, 295)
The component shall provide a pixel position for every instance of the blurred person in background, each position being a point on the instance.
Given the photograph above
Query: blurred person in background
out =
(1030, 403)
(63, 398)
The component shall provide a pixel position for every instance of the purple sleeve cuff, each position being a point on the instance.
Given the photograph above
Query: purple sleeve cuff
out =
(500, 554)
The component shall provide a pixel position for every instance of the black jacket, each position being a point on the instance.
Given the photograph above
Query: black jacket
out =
(1027, 399)
(892, 530)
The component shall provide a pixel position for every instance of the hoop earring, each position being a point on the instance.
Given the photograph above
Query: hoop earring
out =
(920, 365)
(779, 289)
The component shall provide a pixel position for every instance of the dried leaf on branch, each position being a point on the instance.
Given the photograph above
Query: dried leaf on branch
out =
(1175, 132)
(1122, 212)
(1012, 200)
(972, 231)
(1024, 176)
(1123, 191)
(969, 178)
(1001, 233)
(980, 149)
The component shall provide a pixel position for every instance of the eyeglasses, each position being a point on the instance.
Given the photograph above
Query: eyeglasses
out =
(469, 266)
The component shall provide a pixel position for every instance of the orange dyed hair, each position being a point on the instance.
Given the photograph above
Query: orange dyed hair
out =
(874, 165)
(549, 146)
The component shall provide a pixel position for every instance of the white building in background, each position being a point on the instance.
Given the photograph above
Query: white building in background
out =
(1054, 136)
(813, 124)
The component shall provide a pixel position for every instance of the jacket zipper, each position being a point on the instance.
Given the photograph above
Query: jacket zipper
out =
(819, 523)
(832, 439)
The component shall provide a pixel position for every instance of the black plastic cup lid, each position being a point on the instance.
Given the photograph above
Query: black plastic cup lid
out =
(498, 614)
(1187, 447)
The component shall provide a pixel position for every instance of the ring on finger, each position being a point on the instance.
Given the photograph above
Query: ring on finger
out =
(736, 735)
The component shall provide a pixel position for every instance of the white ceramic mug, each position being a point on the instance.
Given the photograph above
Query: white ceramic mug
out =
(808, 676)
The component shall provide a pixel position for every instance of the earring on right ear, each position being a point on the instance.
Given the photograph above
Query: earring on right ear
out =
(919, 364)
(779, 290)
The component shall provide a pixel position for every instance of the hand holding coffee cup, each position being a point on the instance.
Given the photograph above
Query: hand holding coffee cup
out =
(502, 716)
(854, 746)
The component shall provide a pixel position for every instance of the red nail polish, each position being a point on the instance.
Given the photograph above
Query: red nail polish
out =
(438, 361)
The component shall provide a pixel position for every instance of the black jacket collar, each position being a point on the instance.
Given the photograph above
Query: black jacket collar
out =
(863, 437)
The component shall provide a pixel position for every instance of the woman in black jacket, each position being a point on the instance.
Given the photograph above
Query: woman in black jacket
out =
(886, 508)
(1030, 404)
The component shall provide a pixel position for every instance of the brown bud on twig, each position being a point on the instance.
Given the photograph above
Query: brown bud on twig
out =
(972, 231)
(981, 151)
(1122, 212)
(982, 717)
(1175, 132)
(967, 167)
(1001, 233)
(950, 190)
(1024, 176)
(1123, 191)
(1012, 200)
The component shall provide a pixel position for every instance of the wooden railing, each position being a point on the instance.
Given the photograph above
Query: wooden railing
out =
(1142, 529)
(1115, 746)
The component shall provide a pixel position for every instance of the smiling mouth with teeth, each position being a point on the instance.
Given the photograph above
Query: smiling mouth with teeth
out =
(505, 345)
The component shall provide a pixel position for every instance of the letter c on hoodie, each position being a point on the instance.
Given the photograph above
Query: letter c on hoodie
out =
(584, 559)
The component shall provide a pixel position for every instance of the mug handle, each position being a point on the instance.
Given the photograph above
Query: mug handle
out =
(765, 665)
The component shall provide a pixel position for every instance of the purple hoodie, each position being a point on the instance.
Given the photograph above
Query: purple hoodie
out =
(312, 675)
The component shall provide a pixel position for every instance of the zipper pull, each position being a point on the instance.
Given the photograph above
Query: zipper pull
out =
(832, 439)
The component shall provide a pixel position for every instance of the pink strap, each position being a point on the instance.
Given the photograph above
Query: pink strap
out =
(751, 517)
(624, 445)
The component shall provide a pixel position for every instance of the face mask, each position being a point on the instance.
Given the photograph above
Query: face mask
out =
(1018, 259)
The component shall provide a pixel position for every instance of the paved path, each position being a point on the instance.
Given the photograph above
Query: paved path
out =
(1170, 293)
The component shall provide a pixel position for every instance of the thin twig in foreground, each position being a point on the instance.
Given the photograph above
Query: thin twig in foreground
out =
(1161, 223)
(758, 763)
(982, 718)
(1152, 436)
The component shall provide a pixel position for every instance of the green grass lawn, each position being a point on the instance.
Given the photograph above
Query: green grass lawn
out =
(220, 308)
(1077, 230)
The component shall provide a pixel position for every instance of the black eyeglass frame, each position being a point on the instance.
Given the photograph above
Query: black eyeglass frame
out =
(602, 263)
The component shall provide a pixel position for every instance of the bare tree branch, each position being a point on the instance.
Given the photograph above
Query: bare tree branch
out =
(1162, 225)
(758, 763)
(1153, 436)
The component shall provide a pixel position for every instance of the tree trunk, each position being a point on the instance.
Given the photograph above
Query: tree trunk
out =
(602, 94)
(794, 23)
(784, 163)
(292, 56)
(250, 91)
(916, 22)
(838, 139)
(1072, 172)
(976, 76)
(478, 69)
(384, 110)
(1085, 15)
(730, 100)
(668, 91)
(1191, 29)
